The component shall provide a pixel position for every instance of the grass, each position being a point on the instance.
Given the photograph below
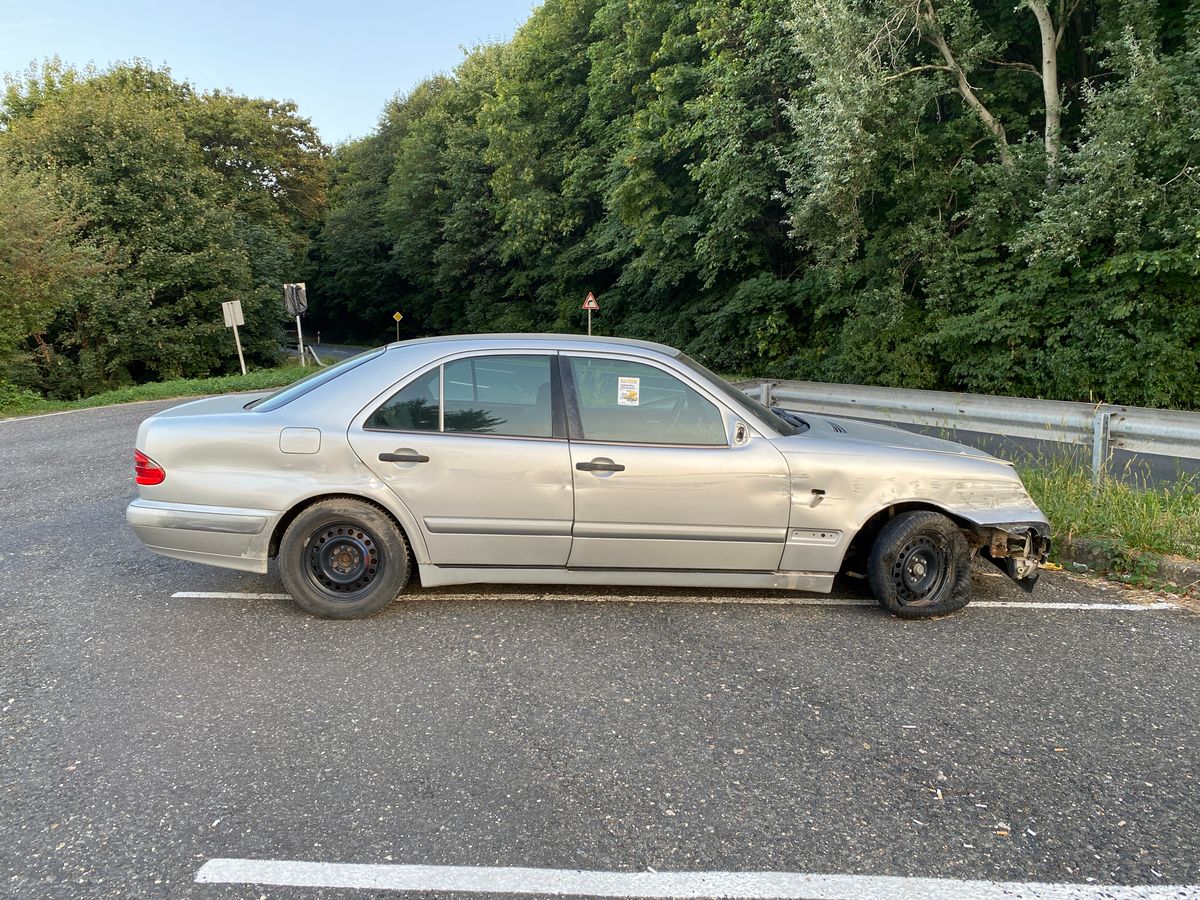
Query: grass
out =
(1126, 516)
(28, 403)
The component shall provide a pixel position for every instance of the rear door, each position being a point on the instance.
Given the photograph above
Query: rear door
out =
(664, 477)
(476, 448)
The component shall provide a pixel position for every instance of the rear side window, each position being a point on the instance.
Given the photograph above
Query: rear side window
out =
(631, 402)
(501, 395)
(413, 408)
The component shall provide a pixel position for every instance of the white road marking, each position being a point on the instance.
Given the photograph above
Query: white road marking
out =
(67, 412)
(1038, 604)
(573, 882)
(188, 398)
(227, 595)
(61, 412)
(777, 601)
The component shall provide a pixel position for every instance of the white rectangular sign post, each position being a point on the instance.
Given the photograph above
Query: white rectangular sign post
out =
(295, 298)
(590, 304)
(233, 318)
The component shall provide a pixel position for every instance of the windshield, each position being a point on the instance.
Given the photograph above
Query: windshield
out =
(748, 403)
(310, 382)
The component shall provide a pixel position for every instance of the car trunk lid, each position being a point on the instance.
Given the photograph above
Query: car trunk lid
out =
(212, 406)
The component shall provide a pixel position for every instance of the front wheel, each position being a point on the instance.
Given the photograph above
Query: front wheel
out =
(343, 559)
(920, 566)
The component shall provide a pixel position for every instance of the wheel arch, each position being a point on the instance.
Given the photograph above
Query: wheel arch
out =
(402, 520)
(864, 538)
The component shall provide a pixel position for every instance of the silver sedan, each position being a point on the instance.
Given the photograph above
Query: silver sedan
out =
(553, 459)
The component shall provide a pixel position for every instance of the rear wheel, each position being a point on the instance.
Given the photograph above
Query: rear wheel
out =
(343, 559)
(920, 566)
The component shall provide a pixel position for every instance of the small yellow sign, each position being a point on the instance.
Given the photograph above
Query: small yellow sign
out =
(397, 316)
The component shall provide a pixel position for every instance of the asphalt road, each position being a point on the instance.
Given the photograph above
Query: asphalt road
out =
(336, 352)
(329, 353)
(144, 735)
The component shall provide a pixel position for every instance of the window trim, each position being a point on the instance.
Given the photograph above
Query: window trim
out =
(558, 417)
(575, 420)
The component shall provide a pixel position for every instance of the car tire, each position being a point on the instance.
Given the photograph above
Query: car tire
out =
(920, 566)
(344, 559)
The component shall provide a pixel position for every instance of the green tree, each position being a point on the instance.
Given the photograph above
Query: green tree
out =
(44, 261)
(532, 121)
(960, 194)
(354, 277)
(200, 198)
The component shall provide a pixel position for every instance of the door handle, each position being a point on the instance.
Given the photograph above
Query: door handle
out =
(599, 467)
(402, 457)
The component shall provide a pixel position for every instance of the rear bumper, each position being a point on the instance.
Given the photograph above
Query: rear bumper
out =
(216, 535)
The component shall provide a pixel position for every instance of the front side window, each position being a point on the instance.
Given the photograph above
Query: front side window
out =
(501, 395)
(632, 402)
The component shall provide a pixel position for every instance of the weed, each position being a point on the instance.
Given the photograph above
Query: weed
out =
(1122, 518)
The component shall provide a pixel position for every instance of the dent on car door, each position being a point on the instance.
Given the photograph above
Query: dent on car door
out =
(476, 448)
(658, 481)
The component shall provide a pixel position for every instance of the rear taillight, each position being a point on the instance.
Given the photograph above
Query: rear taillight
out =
(146, 470)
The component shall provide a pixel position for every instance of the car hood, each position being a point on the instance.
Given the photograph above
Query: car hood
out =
(864, 433)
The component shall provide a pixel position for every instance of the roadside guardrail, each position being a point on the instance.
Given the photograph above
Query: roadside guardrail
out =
(1103, 426)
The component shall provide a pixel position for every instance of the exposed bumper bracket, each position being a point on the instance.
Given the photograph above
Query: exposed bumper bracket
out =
(1018, 550)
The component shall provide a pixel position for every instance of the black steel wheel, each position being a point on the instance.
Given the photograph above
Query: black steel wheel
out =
(344, 559)
(920, 565)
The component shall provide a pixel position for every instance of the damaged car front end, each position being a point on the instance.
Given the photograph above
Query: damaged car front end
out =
(868, 476)
(1017, 549)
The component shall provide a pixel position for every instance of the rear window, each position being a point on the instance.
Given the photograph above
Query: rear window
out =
(311, 382)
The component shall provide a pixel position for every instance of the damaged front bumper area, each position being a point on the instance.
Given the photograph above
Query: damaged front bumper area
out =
(1015, 548)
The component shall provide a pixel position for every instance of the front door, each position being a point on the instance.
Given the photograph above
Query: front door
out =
(476, 448)
(659, 482)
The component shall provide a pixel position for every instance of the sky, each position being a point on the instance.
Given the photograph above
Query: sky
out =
(340, 61)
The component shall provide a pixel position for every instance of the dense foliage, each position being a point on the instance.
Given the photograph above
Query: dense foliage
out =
(132, 206)
(961, 194)
(887, 191)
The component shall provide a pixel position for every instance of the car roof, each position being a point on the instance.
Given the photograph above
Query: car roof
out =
(558, 341)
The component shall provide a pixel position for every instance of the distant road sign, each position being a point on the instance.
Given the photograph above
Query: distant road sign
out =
(232, 310)
(295, 298)
(397, 316)
(233, 313)
(590, 304)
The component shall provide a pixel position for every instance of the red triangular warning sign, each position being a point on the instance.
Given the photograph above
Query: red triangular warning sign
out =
(590, 302)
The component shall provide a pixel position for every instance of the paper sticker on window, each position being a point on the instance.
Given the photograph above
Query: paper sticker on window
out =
(628, 391)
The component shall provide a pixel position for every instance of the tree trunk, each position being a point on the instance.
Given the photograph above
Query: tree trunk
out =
(990, 122)
(1053, 99)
